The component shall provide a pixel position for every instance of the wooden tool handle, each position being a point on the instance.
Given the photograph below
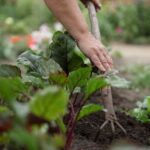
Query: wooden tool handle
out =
(94, 21)
(106, 92)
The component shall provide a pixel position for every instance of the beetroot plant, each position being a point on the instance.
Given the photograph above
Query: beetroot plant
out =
(43, 98)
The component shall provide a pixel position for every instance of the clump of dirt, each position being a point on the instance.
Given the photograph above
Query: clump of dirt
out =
(88, 127)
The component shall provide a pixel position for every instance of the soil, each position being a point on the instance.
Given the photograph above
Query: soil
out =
(87, 128)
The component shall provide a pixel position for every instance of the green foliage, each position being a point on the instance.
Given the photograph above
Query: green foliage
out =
(22, 137)
(38, 66)
(62, 50)
(116, 81)
(140, 77)
(136, 26)
(115, 24)
(89, 109)
(11, 87)
(78, 78)
(59, 78)
(93, 85)
(9, 71)
(142, 112)
(55, 80)
(25, 11)
(50, 103)
(106, 27)
(4, 112)
(33, 81)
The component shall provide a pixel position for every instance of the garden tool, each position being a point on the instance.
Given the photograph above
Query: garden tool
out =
(110, 115)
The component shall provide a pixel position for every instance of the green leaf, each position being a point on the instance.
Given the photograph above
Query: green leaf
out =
(34, 81)
(148, 103)
(50, 103)
(38, 65)
(74, 62)
(28, 58)
(118, 82)
(59, 78)
(61, 125)
(11, 87)
(24, 138)
(93, 85)
(142, 111)
(78, 78)
(60, 48)
(9, 71)
(89, 109)
(58, 141)
(4, 111)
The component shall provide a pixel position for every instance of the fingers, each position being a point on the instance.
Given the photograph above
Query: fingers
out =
(104, 59)
(97, 4)
(97, 62)
(107, 56)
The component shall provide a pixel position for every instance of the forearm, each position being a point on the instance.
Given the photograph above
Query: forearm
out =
(69, 14)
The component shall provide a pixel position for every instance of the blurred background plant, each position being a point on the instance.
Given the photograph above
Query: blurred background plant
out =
(19, 20)
(24, 24)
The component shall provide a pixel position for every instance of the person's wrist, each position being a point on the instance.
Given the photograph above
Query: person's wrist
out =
(82, 36)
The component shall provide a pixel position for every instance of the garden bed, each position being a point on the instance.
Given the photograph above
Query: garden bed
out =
(137, 133)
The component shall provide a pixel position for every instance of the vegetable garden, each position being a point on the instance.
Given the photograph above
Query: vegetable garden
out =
(50, 98)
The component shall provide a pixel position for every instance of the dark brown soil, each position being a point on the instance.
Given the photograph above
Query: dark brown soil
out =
(87, 128)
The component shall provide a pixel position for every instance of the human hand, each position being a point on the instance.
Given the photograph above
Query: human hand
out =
(96, 3)
(96, 52)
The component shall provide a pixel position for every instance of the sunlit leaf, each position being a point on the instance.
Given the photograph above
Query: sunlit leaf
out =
(78, 78)
(11, 87)
(93, 85)
(89, 109)
(50, 103)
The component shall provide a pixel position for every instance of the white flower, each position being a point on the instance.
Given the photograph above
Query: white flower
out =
(58, 26)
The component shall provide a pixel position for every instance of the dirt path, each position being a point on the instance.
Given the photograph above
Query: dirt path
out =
(133, 54)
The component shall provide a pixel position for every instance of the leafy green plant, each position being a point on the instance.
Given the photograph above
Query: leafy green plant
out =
(116, 25)
(140, 76)
(142, 112)
(49, 92)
